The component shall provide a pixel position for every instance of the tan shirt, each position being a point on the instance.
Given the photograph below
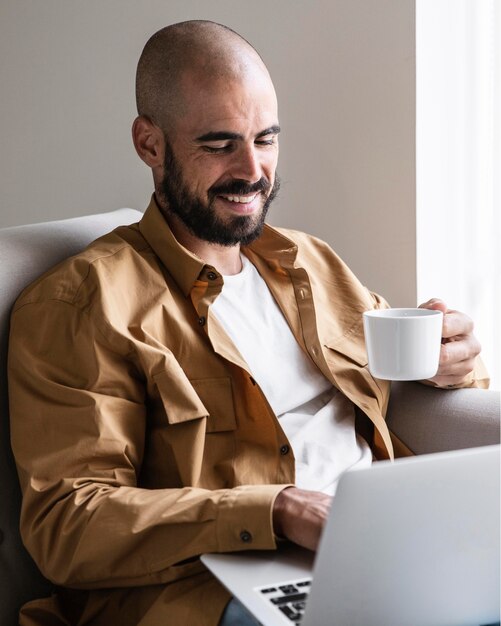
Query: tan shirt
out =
(140, 437)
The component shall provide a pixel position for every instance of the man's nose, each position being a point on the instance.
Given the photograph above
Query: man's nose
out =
(247, 164)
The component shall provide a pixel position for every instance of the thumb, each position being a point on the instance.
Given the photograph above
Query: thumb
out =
(435, 304)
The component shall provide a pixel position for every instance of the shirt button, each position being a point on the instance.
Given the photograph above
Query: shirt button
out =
(211, 275)
(201, 321)
(284, 450)
(245, 536)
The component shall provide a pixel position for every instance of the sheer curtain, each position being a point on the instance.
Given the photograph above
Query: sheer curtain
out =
(458, 56)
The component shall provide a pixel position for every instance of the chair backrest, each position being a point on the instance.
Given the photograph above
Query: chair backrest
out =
(26, 252)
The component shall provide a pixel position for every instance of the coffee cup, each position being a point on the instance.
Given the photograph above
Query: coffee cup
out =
(403, 344)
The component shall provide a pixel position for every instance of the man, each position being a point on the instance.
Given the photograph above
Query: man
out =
(188, 384)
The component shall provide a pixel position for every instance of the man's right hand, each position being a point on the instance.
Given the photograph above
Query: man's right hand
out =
(300, 515)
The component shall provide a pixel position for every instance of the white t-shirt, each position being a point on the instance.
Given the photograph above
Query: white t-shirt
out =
(317, 419)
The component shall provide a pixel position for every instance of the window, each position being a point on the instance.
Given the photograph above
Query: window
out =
(458, 56)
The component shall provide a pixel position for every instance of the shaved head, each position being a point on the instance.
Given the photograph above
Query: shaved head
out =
(195, 50)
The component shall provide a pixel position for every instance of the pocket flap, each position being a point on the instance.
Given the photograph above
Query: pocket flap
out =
(180, 400)
(186, 400)
(351, 345)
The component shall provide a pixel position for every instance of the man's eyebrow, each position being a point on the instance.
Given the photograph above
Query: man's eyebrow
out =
(220, 135)
(272, 130)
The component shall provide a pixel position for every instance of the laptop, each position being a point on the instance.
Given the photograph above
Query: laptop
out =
(410, 543)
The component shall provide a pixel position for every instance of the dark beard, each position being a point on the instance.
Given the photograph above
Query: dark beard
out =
(201, 219)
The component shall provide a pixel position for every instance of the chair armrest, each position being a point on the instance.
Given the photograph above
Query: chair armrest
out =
(428, 419)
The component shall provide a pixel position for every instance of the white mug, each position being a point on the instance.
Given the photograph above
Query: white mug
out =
(403, 344)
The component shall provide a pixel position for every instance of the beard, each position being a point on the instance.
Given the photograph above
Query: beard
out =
(200, 217)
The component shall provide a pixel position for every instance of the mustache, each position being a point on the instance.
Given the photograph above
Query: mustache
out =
(239, 187)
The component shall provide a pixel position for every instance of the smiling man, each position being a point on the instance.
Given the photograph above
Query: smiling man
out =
(191, 383)
(208, 109)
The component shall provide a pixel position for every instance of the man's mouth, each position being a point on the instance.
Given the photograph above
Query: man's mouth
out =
(240, 199)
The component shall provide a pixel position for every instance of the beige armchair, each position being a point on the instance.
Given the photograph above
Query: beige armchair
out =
(425, 419)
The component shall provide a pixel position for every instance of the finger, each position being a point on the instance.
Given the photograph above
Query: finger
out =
(435, 304)
(454, 374)
(457, 351)
(456, 370)
(456, 323)
(448, 381)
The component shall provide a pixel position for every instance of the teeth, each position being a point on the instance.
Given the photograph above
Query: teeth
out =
(242, 199)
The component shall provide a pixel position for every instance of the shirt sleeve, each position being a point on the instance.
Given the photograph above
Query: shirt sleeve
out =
(78, 423)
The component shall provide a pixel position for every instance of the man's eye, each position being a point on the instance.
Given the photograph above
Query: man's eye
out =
(217, 149)
(265, 142)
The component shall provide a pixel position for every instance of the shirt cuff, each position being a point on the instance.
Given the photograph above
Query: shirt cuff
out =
(245, 518)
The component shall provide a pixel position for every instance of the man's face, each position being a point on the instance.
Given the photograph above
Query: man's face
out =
(219, 172)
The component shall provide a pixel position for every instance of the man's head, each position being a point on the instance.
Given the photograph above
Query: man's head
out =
(208, 127)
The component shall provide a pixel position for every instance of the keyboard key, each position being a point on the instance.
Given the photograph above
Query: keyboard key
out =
(298, 597)
(269, 590)
(288, 612)
(288, 589)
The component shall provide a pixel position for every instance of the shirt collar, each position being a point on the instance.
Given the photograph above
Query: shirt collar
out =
(273, 247)
(185, 267)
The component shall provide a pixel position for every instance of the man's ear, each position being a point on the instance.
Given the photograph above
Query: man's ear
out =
(149, 142)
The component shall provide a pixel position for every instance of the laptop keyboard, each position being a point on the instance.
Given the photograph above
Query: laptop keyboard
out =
(289, 598)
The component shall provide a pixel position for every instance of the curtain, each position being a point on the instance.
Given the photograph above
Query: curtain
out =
(458, 160)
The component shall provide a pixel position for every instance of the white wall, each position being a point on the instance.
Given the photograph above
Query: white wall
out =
(345, 77)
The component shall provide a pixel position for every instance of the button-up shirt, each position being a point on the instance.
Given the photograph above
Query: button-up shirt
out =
(140, 436)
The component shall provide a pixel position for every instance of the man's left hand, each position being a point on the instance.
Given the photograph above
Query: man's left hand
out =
(459, 348)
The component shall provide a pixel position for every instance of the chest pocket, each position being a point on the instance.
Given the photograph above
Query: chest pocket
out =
(351, 345)
(185, 400)
(349, 349)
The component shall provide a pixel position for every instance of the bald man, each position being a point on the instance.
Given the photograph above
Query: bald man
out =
(195, 382)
